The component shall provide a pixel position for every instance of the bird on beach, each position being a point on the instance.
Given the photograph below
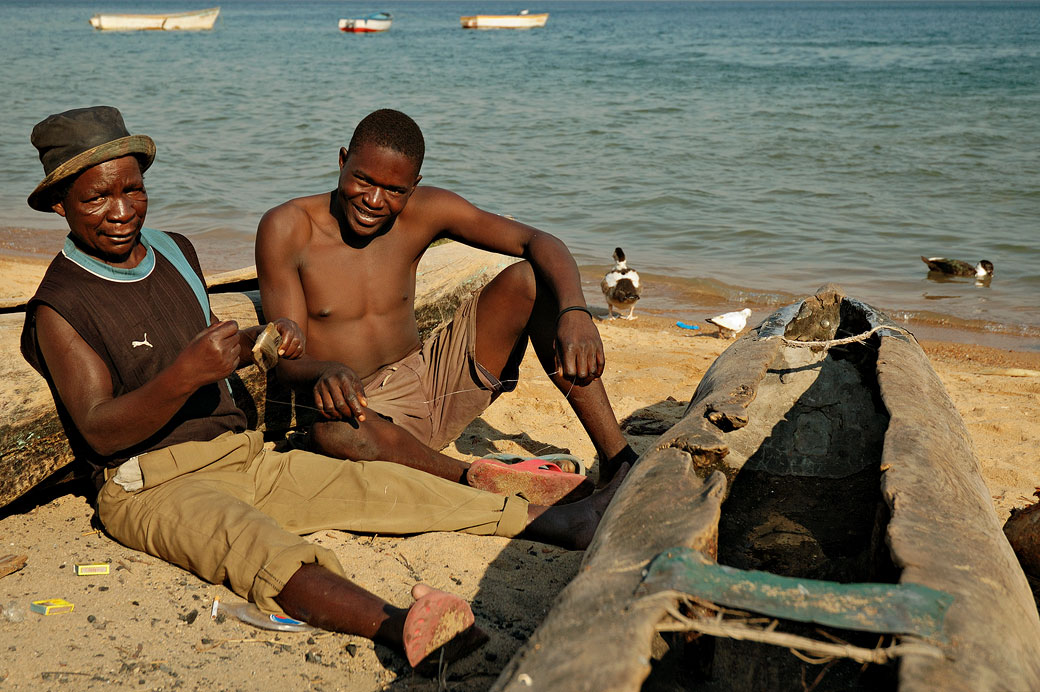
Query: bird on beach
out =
(952, 267)
(730, 323)
(620, 287)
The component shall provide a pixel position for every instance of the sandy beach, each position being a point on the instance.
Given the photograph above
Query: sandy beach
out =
(147, 625)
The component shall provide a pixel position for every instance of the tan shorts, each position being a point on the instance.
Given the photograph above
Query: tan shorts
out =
(231, 511)
(437, 391)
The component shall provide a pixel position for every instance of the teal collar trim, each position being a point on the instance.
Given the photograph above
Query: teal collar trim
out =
(153, 241)
(107, 271)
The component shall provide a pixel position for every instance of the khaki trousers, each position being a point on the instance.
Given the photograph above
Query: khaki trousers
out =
(229, 510)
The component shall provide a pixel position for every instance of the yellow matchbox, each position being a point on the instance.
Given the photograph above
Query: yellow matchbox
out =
(51, 606)
(92, 568)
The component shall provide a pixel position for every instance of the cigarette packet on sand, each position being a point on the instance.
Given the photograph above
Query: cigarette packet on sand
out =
(51, 606)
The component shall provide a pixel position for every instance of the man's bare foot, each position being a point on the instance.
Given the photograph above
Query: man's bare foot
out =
(608, 468)
(439, 620)
(595, 506)
(572, 525)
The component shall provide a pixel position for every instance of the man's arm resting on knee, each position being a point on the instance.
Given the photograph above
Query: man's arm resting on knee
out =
(579, 348)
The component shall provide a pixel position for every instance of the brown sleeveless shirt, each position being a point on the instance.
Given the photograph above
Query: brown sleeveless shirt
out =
(137, 321)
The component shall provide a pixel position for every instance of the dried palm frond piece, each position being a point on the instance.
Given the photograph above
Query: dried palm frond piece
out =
(265, 349)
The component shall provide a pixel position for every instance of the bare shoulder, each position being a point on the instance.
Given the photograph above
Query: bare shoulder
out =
(295, 216)
(437, 207)
(430, 198)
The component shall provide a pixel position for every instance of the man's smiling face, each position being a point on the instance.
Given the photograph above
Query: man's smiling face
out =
(374, 185)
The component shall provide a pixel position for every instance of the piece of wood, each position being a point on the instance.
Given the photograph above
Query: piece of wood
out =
(33, 448)
(9, 564)
(1023, 533)
(235, 280)
(448, 274)
(944, 533)
(31, 271)
(884, 608)
(818, 316)
(1010, 372)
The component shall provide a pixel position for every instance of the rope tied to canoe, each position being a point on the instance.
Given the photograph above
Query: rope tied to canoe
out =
(858, 338)
(743, 628)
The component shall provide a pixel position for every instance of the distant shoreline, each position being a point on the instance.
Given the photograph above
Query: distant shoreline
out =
(667, 297)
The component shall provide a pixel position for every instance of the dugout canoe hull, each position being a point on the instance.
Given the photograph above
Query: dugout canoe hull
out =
(33, 448)
(745, 476)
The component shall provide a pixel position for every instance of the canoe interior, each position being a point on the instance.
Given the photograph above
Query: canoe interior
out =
(835, 463)
(804, 500)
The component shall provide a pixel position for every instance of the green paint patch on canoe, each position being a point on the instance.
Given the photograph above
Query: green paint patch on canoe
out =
(884, 608)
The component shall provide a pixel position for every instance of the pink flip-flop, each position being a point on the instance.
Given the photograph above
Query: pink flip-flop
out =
(538, 481)
(433, 621)
(567, 462)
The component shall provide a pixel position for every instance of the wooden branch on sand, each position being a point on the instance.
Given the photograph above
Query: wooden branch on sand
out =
(9, 564)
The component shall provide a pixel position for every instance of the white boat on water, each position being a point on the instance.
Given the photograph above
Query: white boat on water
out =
(377, 21)
(523, 20)
(181, 21)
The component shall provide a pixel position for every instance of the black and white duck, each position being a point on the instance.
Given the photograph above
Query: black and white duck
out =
(953, 267)
(621, 287)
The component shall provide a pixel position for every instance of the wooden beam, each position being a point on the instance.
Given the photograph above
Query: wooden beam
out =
(944, 533)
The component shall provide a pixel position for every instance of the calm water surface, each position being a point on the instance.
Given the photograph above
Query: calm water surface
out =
(744, 151)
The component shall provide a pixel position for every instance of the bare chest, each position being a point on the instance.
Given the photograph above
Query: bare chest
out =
(342, 283)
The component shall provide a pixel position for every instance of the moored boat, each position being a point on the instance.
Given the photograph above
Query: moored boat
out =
(821, 496)
(198, 20)
(377, 21)
(522, 20)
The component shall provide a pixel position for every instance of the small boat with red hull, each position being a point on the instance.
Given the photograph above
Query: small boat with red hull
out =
(371, 23)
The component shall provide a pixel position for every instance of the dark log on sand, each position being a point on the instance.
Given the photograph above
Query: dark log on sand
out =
(33, 448)
(1023, 532)
(842, 460)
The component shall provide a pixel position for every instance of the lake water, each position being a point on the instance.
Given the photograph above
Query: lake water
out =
(740, 152)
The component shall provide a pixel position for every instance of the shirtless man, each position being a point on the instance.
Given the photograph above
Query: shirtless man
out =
(342, 264)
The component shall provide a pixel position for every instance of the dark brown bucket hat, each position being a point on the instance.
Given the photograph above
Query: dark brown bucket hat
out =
(73, 141)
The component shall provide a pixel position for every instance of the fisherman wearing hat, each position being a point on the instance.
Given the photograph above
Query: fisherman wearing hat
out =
(122, 330)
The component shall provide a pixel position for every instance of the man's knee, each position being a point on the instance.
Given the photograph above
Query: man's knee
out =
(342, 439)
(518, 280)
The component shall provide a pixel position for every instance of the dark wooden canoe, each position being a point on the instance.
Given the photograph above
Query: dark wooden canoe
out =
(843, 461)
(33, 448)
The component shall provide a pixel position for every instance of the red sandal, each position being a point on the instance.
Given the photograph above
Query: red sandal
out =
(538, 481)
